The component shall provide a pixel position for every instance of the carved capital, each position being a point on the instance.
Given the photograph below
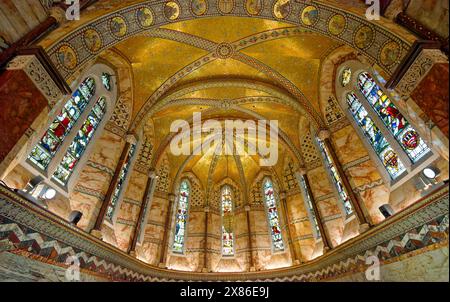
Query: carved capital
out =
(206, 209)
(323, 134)
(131, 138)
(247, 208)
(302, 171)
(152, 174)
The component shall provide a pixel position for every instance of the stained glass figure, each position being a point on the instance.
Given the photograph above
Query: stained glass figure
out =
(106, 81)
(272, 215)
(227, 222)
(336, 178)
(381, 146)
(395, 122)
(80, 143)
(181, 217)
(120, 183)
(45, 150)
(308, 199)
(346, 77)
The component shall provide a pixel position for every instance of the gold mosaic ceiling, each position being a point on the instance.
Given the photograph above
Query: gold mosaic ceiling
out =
(155, 60)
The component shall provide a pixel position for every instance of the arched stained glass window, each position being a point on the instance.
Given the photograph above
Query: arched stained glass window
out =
(400, 128)
(181, 217)
(227, 222)
(45, 150)
(336, 178)
(381, 146)
(308, 200)
(272, 215)
(80, 143)
(122, 176)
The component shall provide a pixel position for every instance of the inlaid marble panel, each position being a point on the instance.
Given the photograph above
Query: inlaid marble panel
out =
(348, 146)
(107, 149)
(319, 182)
(363, 174)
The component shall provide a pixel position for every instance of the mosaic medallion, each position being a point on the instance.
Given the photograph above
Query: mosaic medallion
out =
(225, 6)
(281, 9)
(254, 7)
(144, 17)
(390, 53)
(171, 10)
(337, 25)
(199, 7)
(410, 140)
(118, 26)
(310, 15)
(92, 40)
(364, 37)
(224, 50)
(67, 57)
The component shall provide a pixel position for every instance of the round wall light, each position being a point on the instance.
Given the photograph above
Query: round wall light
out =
(429, 173)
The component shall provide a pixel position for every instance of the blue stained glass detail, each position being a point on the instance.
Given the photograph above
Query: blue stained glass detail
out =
(181, 217)
(336, 178)
(227, 222)
(382, 148)
(395, 122)
(45, 150)
(272, 215)
(79, 143)
(120, 183)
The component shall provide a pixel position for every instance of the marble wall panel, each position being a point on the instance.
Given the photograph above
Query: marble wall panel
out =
(17, 115)
(88, 204)
(373, 198)
(347, 145)
(319, 182)
(107, 149)
(335, 229)
(363, 174)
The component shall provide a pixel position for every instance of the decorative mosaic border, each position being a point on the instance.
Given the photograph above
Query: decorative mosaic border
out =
(25, 226)
(72, 51)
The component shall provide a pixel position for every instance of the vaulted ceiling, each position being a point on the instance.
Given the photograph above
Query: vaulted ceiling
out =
(258, 65)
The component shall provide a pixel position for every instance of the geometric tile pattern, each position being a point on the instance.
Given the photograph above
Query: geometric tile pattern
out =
(26, 228)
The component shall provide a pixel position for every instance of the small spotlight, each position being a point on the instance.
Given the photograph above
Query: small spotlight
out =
(49, 193)
(429, 173)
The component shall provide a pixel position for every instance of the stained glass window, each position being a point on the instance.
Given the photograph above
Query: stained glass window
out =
(382, 148)
(45, 150)
(80, 142)
(106, 81)
(227, 222)
(404, 133)
(310, 206)
(272, 215)
(120, 183)
(336, 178)
(181, 217)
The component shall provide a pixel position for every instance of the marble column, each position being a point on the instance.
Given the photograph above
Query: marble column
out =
(205, 248)
(143, 212)
(283, 202)
(97, 229)
(364, 224)
(323, 233)
(164, 244)
(250, 242)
